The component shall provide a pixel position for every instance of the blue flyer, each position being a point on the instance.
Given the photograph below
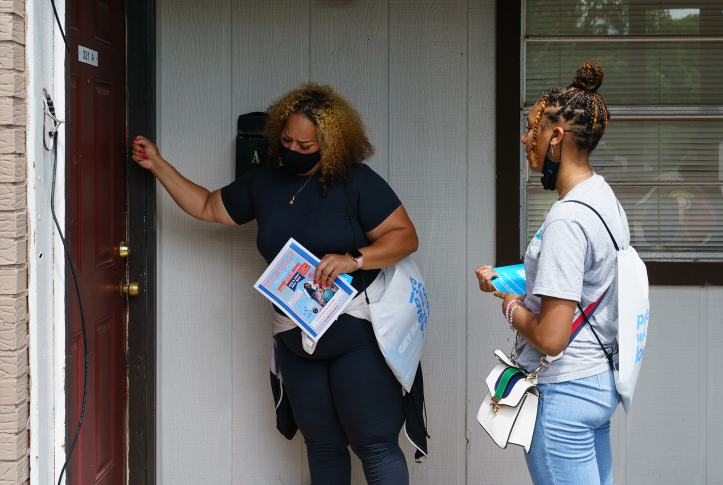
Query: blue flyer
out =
(511, 280)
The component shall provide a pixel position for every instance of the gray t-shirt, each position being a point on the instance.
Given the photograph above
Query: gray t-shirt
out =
(572, 257)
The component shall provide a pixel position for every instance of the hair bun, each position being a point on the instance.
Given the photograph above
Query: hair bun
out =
(589, 77)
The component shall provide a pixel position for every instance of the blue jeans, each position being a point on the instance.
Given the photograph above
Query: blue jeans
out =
(571, 444)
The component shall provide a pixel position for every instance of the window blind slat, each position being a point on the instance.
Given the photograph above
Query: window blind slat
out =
(623, 17)
(662, 219)
(680, 150)
(636, 73)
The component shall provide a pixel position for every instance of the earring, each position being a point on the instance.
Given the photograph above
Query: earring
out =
(552, 151)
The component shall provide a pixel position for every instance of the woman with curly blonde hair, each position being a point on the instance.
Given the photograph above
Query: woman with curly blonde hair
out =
(341, 391)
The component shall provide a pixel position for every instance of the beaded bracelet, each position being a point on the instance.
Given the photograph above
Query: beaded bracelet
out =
(512, 315)
(509, 306)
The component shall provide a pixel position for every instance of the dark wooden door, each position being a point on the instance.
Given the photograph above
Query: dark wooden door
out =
(97, 216)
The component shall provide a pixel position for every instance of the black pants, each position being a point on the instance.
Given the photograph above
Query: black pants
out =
(345, 394)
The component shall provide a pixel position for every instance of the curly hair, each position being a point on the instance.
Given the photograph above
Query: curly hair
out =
(578, 104)
(339, 128)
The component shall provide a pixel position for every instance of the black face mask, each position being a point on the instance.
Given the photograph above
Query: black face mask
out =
(295, 162)
(550, 168)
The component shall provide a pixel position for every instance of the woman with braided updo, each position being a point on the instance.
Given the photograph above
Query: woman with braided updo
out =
(316, 189)
(570, 268)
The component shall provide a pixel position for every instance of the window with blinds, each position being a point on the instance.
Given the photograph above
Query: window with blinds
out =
(662, 152)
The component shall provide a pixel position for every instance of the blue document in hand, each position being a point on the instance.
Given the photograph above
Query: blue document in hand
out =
(511, 280)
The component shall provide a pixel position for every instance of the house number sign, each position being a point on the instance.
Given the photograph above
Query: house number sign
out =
(89, 56)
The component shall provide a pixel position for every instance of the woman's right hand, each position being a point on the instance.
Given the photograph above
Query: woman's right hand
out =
(145, 152)
(193, 199)
(484, 274)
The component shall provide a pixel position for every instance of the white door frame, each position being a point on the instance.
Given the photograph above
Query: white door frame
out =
(46, 68)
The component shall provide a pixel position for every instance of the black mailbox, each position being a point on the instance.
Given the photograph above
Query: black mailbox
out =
(252, 149)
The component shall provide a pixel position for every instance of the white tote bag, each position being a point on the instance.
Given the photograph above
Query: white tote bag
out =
(400, 319)
(633, 314)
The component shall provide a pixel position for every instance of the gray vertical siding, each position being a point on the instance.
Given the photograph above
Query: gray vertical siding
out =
(196, 355)
(422, 75)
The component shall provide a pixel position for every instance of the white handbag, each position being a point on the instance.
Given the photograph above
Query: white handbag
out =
(509, 411)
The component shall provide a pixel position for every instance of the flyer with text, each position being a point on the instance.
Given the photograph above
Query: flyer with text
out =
(288, 283)
(511, 280)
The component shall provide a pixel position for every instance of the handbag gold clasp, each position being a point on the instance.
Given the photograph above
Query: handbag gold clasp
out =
(543, 363)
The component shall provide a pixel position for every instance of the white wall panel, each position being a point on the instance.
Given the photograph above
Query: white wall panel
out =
(270, 51)
(195, 277)
(712, 392)
(428, 169)
(350, 51)
(657, 419)
(421, 74)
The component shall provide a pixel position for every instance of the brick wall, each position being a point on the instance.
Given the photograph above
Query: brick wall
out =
(14, 465)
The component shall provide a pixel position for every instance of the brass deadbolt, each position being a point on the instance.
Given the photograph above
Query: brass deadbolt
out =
(124, 250)
(129, 289)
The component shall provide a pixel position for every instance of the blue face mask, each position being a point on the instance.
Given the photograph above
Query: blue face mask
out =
(295, 162)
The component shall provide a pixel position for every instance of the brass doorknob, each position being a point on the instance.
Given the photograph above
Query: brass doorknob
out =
(124, 250)
(129, 289)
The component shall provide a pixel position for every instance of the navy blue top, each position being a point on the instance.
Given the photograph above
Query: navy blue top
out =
(320, 224)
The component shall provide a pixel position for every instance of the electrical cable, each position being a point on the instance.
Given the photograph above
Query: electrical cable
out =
(80, 307)
(50, 112)
(60, 26)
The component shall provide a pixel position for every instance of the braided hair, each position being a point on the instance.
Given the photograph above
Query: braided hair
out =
(577, 104)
